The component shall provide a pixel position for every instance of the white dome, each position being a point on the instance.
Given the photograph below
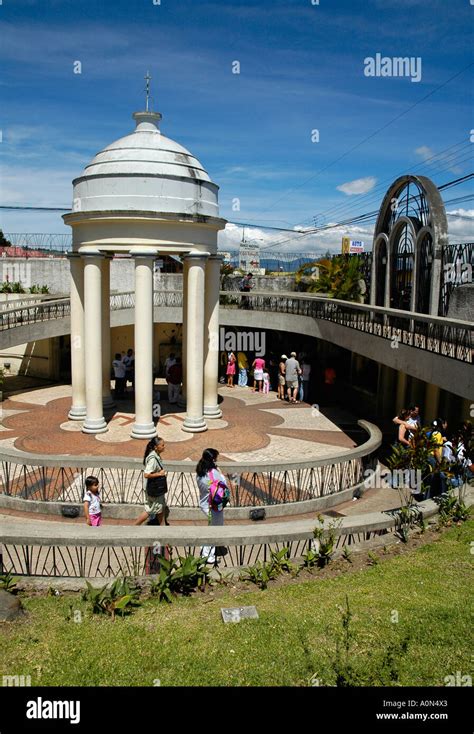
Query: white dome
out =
(145, 171)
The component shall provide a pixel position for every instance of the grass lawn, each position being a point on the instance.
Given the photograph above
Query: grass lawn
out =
(428, 590)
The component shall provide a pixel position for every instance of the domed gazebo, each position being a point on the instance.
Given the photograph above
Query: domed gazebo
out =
(147, 196)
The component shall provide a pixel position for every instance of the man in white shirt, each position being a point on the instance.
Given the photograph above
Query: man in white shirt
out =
(119, 371)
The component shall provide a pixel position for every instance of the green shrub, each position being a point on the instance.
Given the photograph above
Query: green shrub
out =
(162, 587)
(120, 597)
(339, 277)
(310, 558)
(347, 554)
(192, 573)
(260, 574)
(189, 574)
(7, 287)
(372, 558)
(280, 560)
(325, 541)
(8, 582)
(451, 509)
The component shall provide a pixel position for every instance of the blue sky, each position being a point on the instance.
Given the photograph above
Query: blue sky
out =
(301, 69)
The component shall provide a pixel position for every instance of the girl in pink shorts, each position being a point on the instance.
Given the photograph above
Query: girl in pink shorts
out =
(92, 504)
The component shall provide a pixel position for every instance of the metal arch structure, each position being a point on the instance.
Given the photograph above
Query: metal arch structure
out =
(409, 238)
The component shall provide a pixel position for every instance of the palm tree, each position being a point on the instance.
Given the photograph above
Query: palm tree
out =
(339, 277)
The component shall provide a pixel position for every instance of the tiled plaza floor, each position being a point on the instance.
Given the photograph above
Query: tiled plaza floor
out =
(254, 427)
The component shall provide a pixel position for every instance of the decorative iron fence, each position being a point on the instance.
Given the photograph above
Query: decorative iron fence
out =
(25, 315)
(72, 560)
(447, 337)
(439, 335)
(61, 480)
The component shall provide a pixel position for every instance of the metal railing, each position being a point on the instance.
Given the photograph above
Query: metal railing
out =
(61, 478)
(435, 334)
(25, 315)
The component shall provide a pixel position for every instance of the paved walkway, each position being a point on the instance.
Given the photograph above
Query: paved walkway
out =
(373, 500)
(254, 427)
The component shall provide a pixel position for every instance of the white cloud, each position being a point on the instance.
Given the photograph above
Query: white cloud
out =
(330, 239)
(460, 225)
(433, 158)
(358, 186)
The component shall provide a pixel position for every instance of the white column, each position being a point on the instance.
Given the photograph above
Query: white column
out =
(78, 375)
(211, 337)
(94, 422)
(106, 360)
(194, 421)
(143, 426)
(182, 397)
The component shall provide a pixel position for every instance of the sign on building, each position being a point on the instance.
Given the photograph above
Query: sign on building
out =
(249, 258)
(351, 247)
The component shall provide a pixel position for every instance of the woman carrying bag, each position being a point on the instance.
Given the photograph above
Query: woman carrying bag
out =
(214, 495)
(156, 485)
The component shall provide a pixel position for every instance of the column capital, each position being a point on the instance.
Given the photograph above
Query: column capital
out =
(97, 255)
(191, 256)
(73, 255)
(143, 255)
(216, 258)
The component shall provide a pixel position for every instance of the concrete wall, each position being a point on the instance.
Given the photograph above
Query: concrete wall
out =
(262, 283)
(54, 272)
(461, 303)
(38, 358)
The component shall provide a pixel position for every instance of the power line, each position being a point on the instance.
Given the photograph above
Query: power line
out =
(363, 218)
(372, 135)
(382, 186)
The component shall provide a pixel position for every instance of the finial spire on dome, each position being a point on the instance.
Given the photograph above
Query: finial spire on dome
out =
(148, 80)
(147, 121)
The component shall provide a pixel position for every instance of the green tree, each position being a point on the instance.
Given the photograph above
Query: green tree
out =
(339, 277)
(3, 241)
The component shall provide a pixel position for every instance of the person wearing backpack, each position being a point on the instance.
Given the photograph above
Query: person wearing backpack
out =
(156, 485)
(214, 494)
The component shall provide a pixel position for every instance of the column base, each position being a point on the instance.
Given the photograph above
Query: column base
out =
(143, 430)
(194, 425)
(77, 413)
(212, 411)
(94, 425)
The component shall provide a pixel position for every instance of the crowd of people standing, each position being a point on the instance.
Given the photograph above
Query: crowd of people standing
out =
(288, 376)
(450, 460)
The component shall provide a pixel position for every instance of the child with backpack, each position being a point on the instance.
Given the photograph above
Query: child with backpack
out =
(214, 495)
